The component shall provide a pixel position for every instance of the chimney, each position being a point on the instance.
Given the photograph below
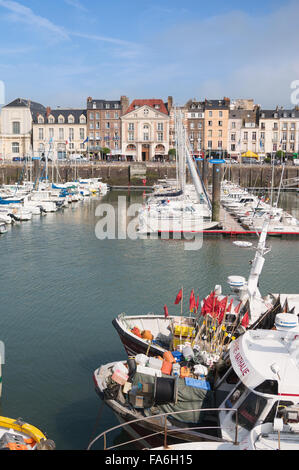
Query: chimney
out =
(89, 99)
(169, 103)
(48, 111)
(124, 102)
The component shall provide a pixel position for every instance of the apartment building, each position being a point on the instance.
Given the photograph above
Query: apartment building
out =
(279, 130)
(216, 119)
(195, 126)
(59, 133)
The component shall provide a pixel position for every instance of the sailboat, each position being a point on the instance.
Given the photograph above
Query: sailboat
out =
(183, 210)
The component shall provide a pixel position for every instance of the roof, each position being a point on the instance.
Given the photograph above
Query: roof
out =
(101, 104)
(279, 113)
(217, 104)
(261, 355)
(23, 103)
(61, 112)
(152, 103)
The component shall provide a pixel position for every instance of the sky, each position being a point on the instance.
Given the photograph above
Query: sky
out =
(59, 52)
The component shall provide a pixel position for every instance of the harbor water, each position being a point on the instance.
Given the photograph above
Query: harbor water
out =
(61, 287)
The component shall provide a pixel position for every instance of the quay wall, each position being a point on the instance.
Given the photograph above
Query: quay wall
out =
(120, 173)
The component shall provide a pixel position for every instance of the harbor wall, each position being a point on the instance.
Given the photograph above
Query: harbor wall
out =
(119, 173)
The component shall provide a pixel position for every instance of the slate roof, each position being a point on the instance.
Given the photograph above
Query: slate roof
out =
(77, 113)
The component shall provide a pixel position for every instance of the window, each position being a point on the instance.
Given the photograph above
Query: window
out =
(91, 125)
(71, 119)
(15, 147)
(107, 125)
(16, 128)
(263, 125)
(275, 125)
(220, 144)
(51, 120)
(210, 133)
(97, 125)
(220, 114)
(160, 126)
(131, 136)
(61, 120)
(191, 125)
(40, 120)
(210, 123)
(220, 123)
(107, 106)
(145, 136)
(233, 125)
(116, 115)
(292, 138)
(233, 147)
(41, 134)
(131, 126)
(210, 144)
(91, 116)
(275, 137)
(250, 410)
(245, 135)
(71, 146)
(210, 113)
(82, 133)
(284, 136)
(97, 115)
(160, 136)
(51, 133)
(97, 136)
(200, 125)
(219, 133)
(82, 119)
(107, 115)
(61, 134)
(254, 136)
(71, 133)
(233, 137)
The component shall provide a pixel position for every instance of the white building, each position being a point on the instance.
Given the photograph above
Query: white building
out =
(59, 133)
(16, 128)
(279, 130)
(145, 130)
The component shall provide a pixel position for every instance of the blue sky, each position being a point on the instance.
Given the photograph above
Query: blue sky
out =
(59, 52)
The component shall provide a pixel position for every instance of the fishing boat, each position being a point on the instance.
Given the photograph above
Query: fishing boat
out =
(19, 435)
(257, 381)
(235, 312)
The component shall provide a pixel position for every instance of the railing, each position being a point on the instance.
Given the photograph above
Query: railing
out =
(165, 430)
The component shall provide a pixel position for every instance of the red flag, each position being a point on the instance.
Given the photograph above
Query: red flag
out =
(237, 309)
(178, 297)
(197, 303)
(229, 308)
(192, 301)
(221, 309)
(166, 311)
(245, 320)
(208, 304)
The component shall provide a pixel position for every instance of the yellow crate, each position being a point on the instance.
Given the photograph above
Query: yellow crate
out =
(177, 341)
(180, 330)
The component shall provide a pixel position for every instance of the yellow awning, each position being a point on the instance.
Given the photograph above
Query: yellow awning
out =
(250, 154)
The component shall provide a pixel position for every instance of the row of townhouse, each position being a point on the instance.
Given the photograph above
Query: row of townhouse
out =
(144, 130)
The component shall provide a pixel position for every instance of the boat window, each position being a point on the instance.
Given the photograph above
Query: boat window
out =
(277, 410)
(236, 394)
(269, 386)
(250, 410)
(232, 378)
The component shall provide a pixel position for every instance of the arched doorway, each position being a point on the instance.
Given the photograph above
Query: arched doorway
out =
(145, 152)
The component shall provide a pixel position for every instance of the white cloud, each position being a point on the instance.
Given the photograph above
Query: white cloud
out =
(76, 4)
(23, 14)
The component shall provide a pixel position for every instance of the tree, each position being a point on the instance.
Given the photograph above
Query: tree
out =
(172, 153)
(105, 151)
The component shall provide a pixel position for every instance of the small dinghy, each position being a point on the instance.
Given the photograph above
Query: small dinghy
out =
(18, 435)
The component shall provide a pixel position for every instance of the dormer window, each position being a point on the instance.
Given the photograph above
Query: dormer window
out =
(82, 119)
(40, 120)
(107, 106)
(51, 120)
(61, 120)
(71, 119)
